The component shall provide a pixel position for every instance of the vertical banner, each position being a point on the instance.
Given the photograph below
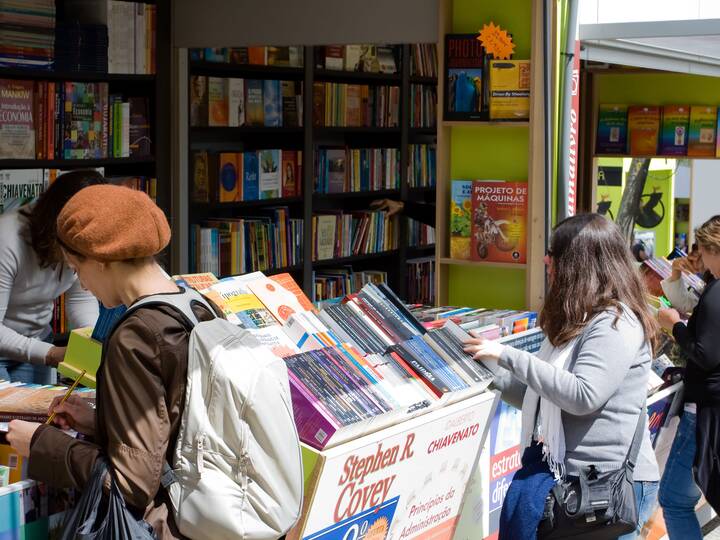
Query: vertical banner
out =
(573, 131)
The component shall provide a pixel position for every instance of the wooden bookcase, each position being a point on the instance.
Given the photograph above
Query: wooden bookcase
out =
(507, 150)
(308, 139)
(155, 87)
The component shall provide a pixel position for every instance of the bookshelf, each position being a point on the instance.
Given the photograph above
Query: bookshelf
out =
(309, 139)
(155, 87)
(492, 149)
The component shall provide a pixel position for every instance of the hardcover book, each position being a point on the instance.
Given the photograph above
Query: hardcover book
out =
(643, 129)
(464, 60)
(83, 122)
(612, 129)
(499, 221)
(460, 219)
(17, 130)
(703, 126)
(675, 121)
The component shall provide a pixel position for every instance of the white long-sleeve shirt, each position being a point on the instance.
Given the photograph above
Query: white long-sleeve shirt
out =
(27, 293)
(680, 295)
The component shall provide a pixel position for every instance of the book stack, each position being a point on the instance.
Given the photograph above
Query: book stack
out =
(488, 323)
(423, 60)
(27, 34)
(260, 56)
(359, 233)
(367, 58)
(336, 283)
(420, 234)
(646, 130)
(354, 105)
(245, 244)
(81, 47)
(246, 176)
(234, 102)
(342, 170)
(421, 280)
(422, 165)
(423, 106)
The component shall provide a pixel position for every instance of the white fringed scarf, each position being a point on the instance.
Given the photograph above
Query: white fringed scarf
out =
(549, 429)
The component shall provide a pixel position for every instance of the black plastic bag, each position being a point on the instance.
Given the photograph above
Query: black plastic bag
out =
(101, 516)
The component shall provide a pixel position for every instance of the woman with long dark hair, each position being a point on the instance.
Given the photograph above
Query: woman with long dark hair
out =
(693, 456)
(32, 276)
(582, 394)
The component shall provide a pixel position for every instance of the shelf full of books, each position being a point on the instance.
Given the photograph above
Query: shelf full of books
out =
(345, 134)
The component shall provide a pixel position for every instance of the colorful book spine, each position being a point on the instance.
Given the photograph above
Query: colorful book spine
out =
(612, 129)
(675, 122)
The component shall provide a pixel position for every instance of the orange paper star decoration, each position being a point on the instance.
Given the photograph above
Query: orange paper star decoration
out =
(496, 41)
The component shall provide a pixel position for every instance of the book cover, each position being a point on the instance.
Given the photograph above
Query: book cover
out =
(19, 187)
(201, 181)
(217, 102)
(464, 59)
(17, 130)
(198, 101)
(251, 181)
(325, 239)
(509, 89)
(499, 221)
(257, 56)
(278, 56)
(353, 105)
(270, 177)
(703, 124)
(334, 57)
(612, 129)
(254, 106)
(286, 281)
(272, 103)
(336, 170)
(368, 58)
(460, 219)
(218, 55)
(140, 141)
(290, 92)
(281, 302)
(199, 282)
(675, 122)
(82, 130)
(352, 57)
(236, 102)
(386, 59)
(230, 176)
(643, 129)
(239, 55)
(289, 173)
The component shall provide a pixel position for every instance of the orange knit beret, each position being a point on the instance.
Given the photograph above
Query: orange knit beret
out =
(113, 223)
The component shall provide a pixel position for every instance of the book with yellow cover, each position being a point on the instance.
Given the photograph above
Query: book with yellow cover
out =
(83, 352)
(230, 177)
(509, 89)
(643, 128)
(217, 102)
(703, 125)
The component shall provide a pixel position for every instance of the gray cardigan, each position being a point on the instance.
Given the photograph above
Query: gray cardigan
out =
(599, 397)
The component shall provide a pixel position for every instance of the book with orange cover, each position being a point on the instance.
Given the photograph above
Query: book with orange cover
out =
(643, 130)
(287, 281)
(230, 177)
(217, 102)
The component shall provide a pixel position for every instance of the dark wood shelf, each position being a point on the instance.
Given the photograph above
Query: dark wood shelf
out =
(421, 190)
(226, 131)
(419, 79)
(381, 193)
(335, 130)
(423, 131)
(331, 75)
(72, 163)
(78, 76)
(355, 258)
(246, 71)
(415, 252)
(240, 205)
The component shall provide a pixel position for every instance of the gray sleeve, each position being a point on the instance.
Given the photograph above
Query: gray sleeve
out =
(603, 359)
(82, 307)
(512, 390)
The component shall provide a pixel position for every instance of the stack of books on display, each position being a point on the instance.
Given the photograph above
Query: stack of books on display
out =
(27, 34)
(342, 170)
(488, 323)
(359, 233)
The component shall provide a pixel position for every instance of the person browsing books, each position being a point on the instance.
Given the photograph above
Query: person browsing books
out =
(692, 463)
(32, 276)
(584, 393)
(110, 236)
(680, 294)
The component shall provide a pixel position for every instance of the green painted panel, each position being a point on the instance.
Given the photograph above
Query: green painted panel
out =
(489, 152)
(512, 15)
(661, 182)
(310, 457)
(658, 89)
(487, 287)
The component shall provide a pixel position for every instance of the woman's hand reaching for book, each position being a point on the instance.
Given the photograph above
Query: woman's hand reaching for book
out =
(55, 356)
(484, 349)
(75, 413)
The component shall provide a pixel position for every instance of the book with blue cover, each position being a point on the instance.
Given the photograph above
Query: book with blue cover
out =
(251, 180)
(272, 102)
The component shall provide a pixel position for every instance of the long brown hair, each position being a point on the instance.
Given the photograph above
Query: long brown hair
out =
(42, 216)
(593, 272)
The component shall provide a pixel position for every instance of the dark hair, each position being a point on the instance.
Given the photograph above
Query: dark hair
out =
(42, 216)
(593, 272)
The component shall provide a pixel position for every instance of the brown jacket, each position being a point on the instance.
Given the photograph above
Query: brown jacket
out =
(140, 399)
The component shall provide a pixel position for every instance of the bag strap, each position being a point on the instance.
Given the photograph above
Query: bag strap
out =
(634, 449)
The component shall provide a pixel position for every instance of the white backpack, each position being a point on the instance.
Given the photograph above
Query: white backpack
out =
(237, 468)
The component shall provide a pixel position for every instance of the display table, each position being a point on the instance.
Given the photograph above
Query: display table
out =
(405, 481)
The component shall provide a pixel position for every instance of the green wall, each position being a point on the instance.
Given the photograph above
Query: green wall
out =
(658, 89)
(490, 152)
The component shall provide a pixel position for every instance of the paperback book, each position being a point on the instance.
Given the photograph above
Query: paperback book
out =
(643, 129)
(675, 122)
(703, 126)
(612, 129)
(464, 62)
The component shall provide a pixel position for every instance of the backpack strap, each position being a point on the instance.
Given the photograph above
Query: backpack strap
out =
(182, 303)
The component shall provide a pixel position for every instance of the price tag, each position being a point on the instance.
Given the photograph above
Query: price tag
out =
(496, 41)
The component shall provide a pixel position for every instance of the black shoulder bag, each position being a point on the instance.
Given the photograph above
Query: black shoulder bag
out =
(596, 505)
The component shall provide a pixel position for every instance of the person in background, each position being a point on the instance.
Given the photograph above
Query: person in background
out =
(692, 463)
(110, 235)
(681, 295)
(32, 276)
(419, 211)
(582, 393)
